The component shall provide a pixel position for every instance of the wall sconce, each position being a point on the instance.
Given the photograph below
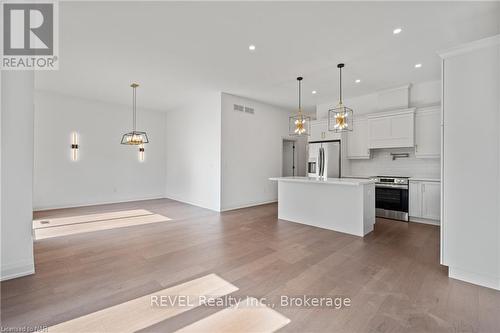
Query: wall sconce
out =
(141, 153)
(74, 146)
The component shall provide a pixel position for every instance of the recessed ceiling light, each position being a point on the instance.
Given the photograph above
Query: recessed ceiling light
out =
(358, 81)
(397, 31)
(418, 65)
(251, 47)
(314, 92)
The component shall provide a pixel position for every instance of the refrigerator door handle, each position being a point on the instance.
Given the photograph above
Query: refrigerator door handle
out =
(321, 161)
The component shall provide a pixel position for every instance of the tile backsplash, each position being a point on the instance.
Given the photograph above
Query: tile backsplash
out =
(381, 164)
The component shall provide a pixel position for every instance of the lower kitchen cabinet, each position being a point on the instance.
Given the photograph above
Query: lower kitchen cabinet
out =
(425, 201)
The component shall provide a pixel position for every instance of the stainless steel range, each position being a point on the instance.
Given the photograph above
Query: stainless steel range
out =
(391, 197)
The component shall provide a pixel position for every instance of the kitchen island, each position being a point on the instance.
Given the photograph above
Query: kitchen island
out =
(341, 204)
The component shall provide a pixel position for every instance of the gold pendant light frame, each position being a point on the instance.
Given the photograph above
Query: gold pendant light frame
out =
(340, 118)
(299, 124)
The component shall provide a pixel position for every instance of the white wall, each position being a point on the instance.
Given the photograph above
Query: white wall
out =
(301, 151)
(381, 163)
(193, 148)
(16, 173)
(471, 163)
(252, 151)
(106, 171)
(421, 94)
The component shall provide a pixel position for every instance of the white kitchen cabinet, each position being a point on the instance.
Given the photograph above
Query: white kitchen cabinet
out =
(392, 129)
(424, 201)
(320, 132)
(318, 129)
(428, 132)
(415, 199)
(431, 200)
(357, 140)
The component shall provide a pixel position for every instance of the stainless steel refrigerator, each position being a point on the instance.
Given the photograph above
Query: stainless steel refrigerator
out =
(324, 159)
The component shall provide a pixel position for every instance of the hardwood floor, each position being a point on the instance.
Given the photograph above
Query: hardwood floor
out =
(392, 276)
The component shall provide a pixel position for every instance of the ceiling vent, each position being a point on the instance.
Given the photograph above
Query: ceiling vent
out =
(242, 108)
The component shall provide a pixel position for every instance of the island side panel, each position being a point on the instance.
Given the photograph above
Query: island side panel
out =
(329, 206)
(369, 207)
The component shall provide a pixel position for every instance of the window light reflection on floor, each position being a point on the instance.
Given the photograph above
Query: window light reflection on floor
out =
(64, 226)
(140, 313)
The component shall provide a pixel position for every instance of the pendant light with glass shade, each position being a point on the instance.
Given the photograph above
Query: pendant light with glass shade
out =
(299, 124)
(135, 137)
(340, 117)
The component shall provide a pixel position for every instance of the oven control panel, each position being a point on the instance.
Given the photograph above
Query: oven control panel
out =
(391, 180)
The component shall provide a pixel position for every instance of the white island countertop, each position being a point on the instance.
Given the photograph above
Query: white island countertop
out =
(340, 204)
(330, 181)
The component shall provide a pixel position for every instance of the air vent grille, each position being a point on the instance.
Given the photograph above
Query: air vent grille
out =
(242, 108)
(238, 107)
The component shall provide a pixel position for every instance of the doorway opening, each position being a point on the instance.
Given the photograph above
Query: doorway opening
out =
(290, 158)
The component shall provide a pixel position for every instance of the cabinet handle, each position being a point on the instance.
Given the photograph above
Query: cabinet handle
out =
(416, 148)
(423, 188)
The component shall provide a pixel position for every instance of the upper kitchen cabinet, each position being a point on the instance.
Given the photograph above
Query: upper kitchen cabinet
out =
(320, 132)
(357, 140)
(391, 129)
(428, 132)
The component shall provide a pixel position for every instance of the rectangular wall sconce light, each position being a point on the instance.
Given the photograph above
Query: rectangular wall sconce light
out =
(141, 153)
(74, 146)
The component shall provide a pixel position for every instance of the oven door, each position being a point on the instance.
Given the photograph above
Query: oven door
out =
(391, 201)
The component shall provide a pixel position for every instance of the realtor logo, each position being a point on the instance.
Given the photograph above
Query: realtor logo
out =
(29, 35)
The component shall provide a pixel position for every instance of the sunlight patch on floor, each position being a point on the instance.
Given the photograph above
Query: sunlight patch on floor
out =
(140, 313)
(48, 228)
(52, 222)
(248, 315)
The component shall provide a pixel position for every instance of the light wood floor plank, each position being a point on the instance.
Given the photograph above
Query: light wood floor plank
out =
(78, 228)
(247, 316)
(52, 222)
(139, 313)
(392, 276)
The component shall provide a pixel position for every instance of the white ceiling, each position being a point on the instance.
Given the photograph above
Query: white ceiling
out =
(177, 51)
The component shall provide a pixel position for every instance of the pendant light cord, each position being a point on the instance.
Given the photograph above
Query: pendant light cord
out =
(134, 109)
(300, 94)
(340, 68)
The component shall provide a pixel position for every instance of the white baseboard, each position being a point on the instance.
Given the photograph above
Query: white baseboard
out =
(95, 203)
(15, 270)
(172, 197)
(425, 221)
(474, 278)
(248, 205)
